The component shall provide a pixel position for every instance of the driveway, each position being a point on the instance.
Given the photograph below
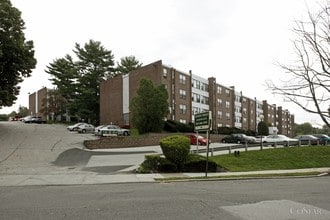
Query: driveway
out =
(51, 149)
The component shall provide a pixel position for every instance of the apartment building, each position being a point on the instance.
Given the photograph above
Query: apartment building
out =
(37, 101)
(190, 94)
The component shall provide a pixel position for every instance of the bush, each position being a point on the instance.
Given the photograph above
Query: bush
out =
(197, 163)
(194, 163)
(156, 163)
(176, 149)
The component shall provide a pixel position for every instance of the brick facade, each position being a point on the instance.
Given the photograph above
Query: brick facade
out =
(190, 94)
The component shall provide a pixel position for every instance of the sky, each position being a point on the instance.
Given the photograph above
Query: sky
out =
(238, 42)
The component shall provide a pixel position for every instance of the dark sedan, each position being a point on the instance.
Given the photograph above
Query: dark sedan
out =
(239, 138)
(324, 139)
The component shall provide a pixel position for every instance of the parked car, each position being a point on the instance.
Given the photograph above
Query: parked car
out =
(194, 137)
(85, 128)
(238, 138)
(97, 130)
(324, 139)
(33, 119)
(260, 138)
(28, 119)
(114, 130)
(307, 139)
(75, 126)
(280, 139)
(38, 120)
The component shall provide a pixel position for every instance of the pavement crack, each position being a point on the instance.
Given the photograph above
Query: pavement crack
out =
(16, 148)
(55, 144)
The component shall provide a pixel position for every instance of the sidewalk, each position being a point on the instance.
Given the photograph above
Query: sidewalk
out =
(80, 179)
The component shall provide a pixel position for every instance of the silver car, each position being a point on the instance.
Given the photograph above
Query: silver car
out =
(97, 130)
(280, 140)
(114, 130)
(86, 128)
(75, 126)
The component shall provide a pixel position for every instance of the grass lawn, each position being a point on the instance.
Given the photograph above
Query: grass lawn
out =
(276, 159)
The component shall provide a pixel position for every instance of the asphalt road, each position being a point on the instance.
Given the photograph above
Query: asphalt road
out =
(271, 199)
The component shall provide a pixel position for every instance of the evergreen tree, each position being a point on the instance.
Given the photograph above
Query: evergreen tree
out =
(127, 64)
(78, 82)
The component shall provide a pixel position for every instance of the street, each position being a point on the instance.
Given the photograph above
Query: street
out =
(300, 198)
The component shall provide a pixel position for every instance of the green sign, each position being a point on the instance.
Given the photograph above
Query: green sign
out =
(203, 121)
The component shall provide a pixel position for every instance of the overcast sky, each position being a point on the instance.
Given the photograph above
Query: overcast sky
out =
(236, 41)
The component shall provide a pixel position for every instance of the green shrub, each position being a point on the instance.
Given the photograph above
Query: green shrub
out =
(166, 166)
(197, 163)
(176, 149)
(156, 163)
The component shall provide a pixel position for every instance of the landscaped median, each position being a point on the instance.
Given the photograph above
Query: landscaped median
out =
(269, 163)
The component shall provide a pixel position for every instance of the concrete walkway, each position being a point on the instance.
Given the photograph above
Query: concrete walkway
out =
(78, 179)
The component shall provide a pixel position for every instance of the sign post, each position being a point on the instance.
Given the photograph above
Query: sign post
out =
(203, 122)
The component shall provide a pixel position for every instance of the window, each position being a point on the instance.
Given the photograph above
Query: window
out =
(204, 87)
(195, 110)
(164, 72)
(227, 116)
(183, 109)
(227, 92)
(227, 104)
(205, 100)
(182, 79)
(183, 121)
(182, 94)
(198, 84)
(219, 102)
(244, 110)
(196, 97)
(219, 90)
(219, 114)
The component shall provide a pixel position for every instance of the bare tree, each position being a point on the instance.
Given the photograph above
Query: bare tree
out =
(308, 80)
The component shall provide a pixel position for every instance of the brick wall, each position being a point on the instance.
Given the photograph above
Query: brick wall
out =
(152, 139)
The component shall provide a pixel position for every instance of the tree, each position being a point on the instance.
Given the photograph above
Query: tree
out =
(78, 81)
(16, 54)
(308, 82)
(23, 111)
(149, 107)
(94, 64)
(127, 64)
(64, 76)
(263, 128)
